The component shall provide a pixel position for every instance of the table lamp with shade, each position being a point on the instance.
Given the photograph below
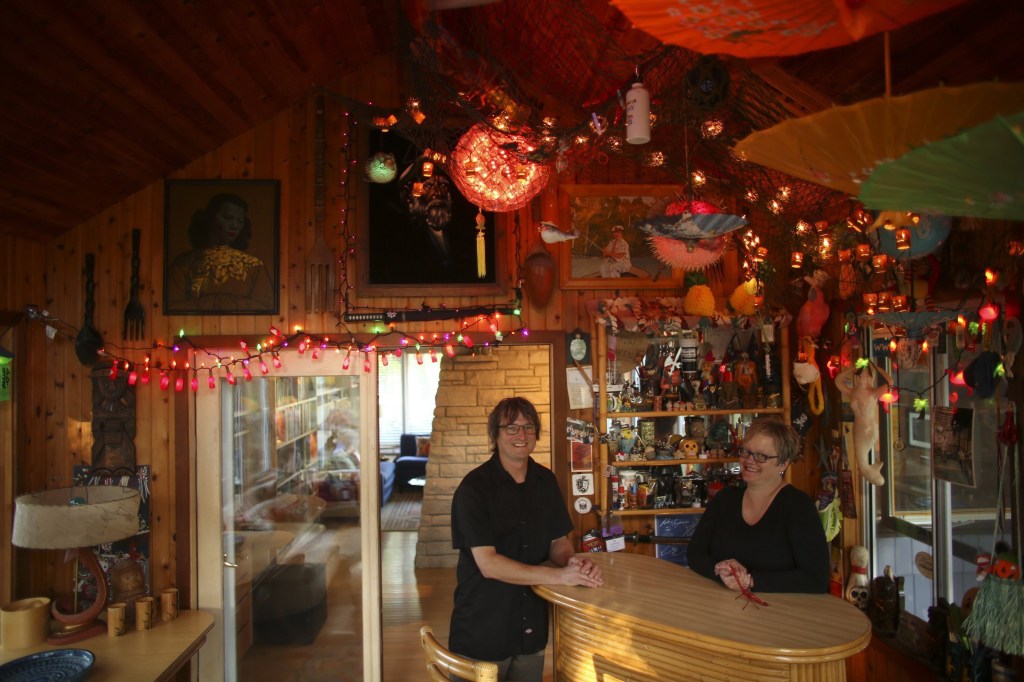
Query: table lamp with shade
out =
(76, 519)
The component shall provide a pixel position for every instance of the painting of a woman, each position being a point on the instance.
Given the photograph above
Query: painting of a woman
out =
(222, 272)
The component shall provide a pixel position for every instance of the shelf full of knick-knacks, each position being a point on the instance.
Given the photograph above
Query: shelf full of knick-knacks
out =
(671, 418)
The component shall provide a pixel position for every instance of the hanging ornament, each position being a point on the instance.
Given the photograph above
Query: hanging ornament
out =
(492, 170)
(381, 168)
(481, 248)
(691, 235)
(638, 112)
(538, 275)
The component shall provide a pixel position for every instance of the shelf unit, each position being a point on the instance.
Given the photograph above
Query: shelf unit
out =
(605, 459)
(279, 434)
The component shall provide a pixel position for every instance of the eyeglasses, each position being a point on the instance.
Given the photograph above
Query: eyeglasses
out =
(513, 429)
(758, 457)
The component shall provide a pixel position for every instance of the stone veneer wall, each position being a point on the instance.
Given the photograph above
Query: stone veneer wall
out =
(469, 388)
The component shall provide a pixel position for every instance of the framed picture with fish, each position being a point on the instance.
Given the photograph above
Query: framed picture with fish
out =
(602, 244)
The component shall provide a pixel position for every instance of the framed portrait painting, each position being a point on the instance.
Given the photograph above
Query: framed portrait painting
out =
(611, 253)
(221, 247)
(420, 233)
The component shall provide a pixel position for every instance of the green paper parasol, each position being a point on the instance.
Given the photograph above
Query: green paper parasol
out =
(978, 172)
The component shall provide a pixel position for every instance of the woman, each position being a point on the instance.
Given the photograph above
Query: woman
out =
(217, 274)
(764, 536)
(511, 527)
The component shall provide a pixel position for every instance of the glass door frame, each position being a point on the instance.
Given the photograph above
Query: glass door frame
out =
(211, 561)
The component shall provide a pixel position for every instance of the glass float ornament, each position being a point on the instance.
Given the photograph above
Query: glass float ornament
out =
(491, 169)
(381, 168)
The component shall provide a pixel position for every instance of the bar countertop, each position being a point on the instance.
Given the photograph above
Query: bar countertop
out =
(653, 617)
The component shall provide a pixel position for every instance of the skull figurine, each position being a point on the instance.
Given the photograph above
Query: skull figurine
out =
(858, 596)
(689, 447)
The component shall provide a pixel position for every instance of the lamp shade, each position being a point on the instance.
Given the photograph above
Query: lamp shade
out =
(492, 169)
(65, 518)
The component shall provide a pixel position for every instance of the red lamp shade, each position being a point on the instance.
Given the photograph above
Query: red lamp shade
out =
(492, 171)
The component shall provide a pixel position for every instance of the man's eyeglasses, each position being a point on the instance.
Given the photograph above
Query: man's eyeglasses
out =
(513, 429)
(758, 457)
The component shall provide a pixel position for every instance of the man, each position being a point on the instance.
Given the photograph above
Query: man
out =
(511, 527)
(616, 255)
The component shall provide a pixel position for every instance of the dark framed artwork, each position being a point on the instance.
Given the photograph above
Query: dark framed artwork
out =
(424, 243)
(221, 247)
(611, 253)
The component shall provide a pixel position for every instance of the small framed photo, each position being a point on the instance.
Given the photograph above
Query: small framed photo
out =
(221, 247)
(582, 484)
(611, 252)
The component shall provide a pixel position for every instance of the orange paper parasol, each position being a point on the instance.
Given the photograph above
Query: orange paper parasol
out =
(840, 147)
(767, 28)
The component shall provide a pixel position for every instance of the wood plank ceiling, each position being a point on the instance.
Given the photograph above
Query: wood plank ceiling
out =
(99, 98)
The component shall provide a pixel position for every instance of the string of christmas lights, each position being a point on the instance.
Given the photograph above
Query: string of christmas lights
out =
(480, 331)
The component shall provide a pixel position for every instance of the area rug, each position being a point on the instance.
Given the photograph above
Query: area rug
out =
(402, 511)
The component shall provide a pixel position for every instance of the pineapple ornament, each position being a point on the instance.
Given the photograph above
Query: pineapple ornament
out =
(699, 300)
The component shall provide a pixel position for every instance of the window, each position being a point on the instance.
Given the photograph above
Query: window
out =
(934, 503)
(406, 391)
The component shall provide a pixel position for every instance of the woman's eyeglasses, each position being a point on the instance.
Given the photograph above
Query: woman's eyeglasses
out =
(758, 457)
(513, 429)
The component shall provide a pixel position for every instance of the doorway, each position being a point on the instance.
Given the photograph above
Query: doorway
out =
(288, 544)
(338, 651)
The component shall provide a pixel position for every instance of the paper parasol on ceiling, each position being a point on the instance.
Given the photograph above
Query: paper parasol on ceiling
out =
(917, 324)
(979, 172)
(771, 28)
(840, 147)
(926, 236)
(690, 241)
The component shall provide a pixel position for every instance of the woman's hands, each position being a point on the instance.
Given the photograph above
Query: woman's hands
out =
(580, 570)
(734, 575)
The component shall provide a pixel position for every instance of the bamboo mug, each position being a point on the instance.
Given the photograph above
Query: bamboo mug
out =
(169, 603)
(24, 623)
(117, 619)
(144, 613)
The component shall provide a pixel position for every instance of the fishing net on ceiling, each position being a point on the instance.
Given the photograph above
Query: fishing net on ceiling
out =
(557, 72)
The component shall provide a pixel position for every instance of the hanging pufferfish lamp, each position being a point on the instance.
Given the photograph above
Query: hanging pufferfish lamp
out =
(491, 168)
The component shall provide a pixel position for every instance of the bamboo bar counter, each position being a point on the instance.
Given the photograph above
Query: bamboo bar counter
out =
(656, 620)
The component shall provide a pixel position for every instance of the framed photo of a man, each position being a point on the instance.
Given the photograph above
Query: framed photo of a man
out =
(611, 253)
(221, 247)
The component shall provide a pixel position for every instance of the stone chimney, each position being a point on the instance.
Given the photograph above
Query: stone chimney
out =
(469, 388)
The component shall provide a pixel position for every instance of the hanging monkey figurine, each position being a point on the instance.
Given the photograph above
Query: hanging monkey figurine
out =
(859, 386)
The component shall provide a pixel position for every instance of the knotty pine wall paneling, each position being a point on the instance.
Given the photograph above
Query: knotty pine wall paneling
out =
(57, 430)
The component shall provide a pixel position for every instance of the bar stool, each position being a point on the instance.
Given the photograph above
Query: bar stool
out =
(441, 663)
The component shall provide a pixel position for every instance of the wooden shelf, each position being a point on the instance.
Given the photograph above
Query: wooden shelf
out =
(627, 463)
(604, 455)
(695, 413)
(660, 512)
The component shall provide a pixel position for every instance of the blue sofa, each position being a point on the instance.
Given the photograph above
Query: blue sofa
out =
(339, 485)
(408, 464)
